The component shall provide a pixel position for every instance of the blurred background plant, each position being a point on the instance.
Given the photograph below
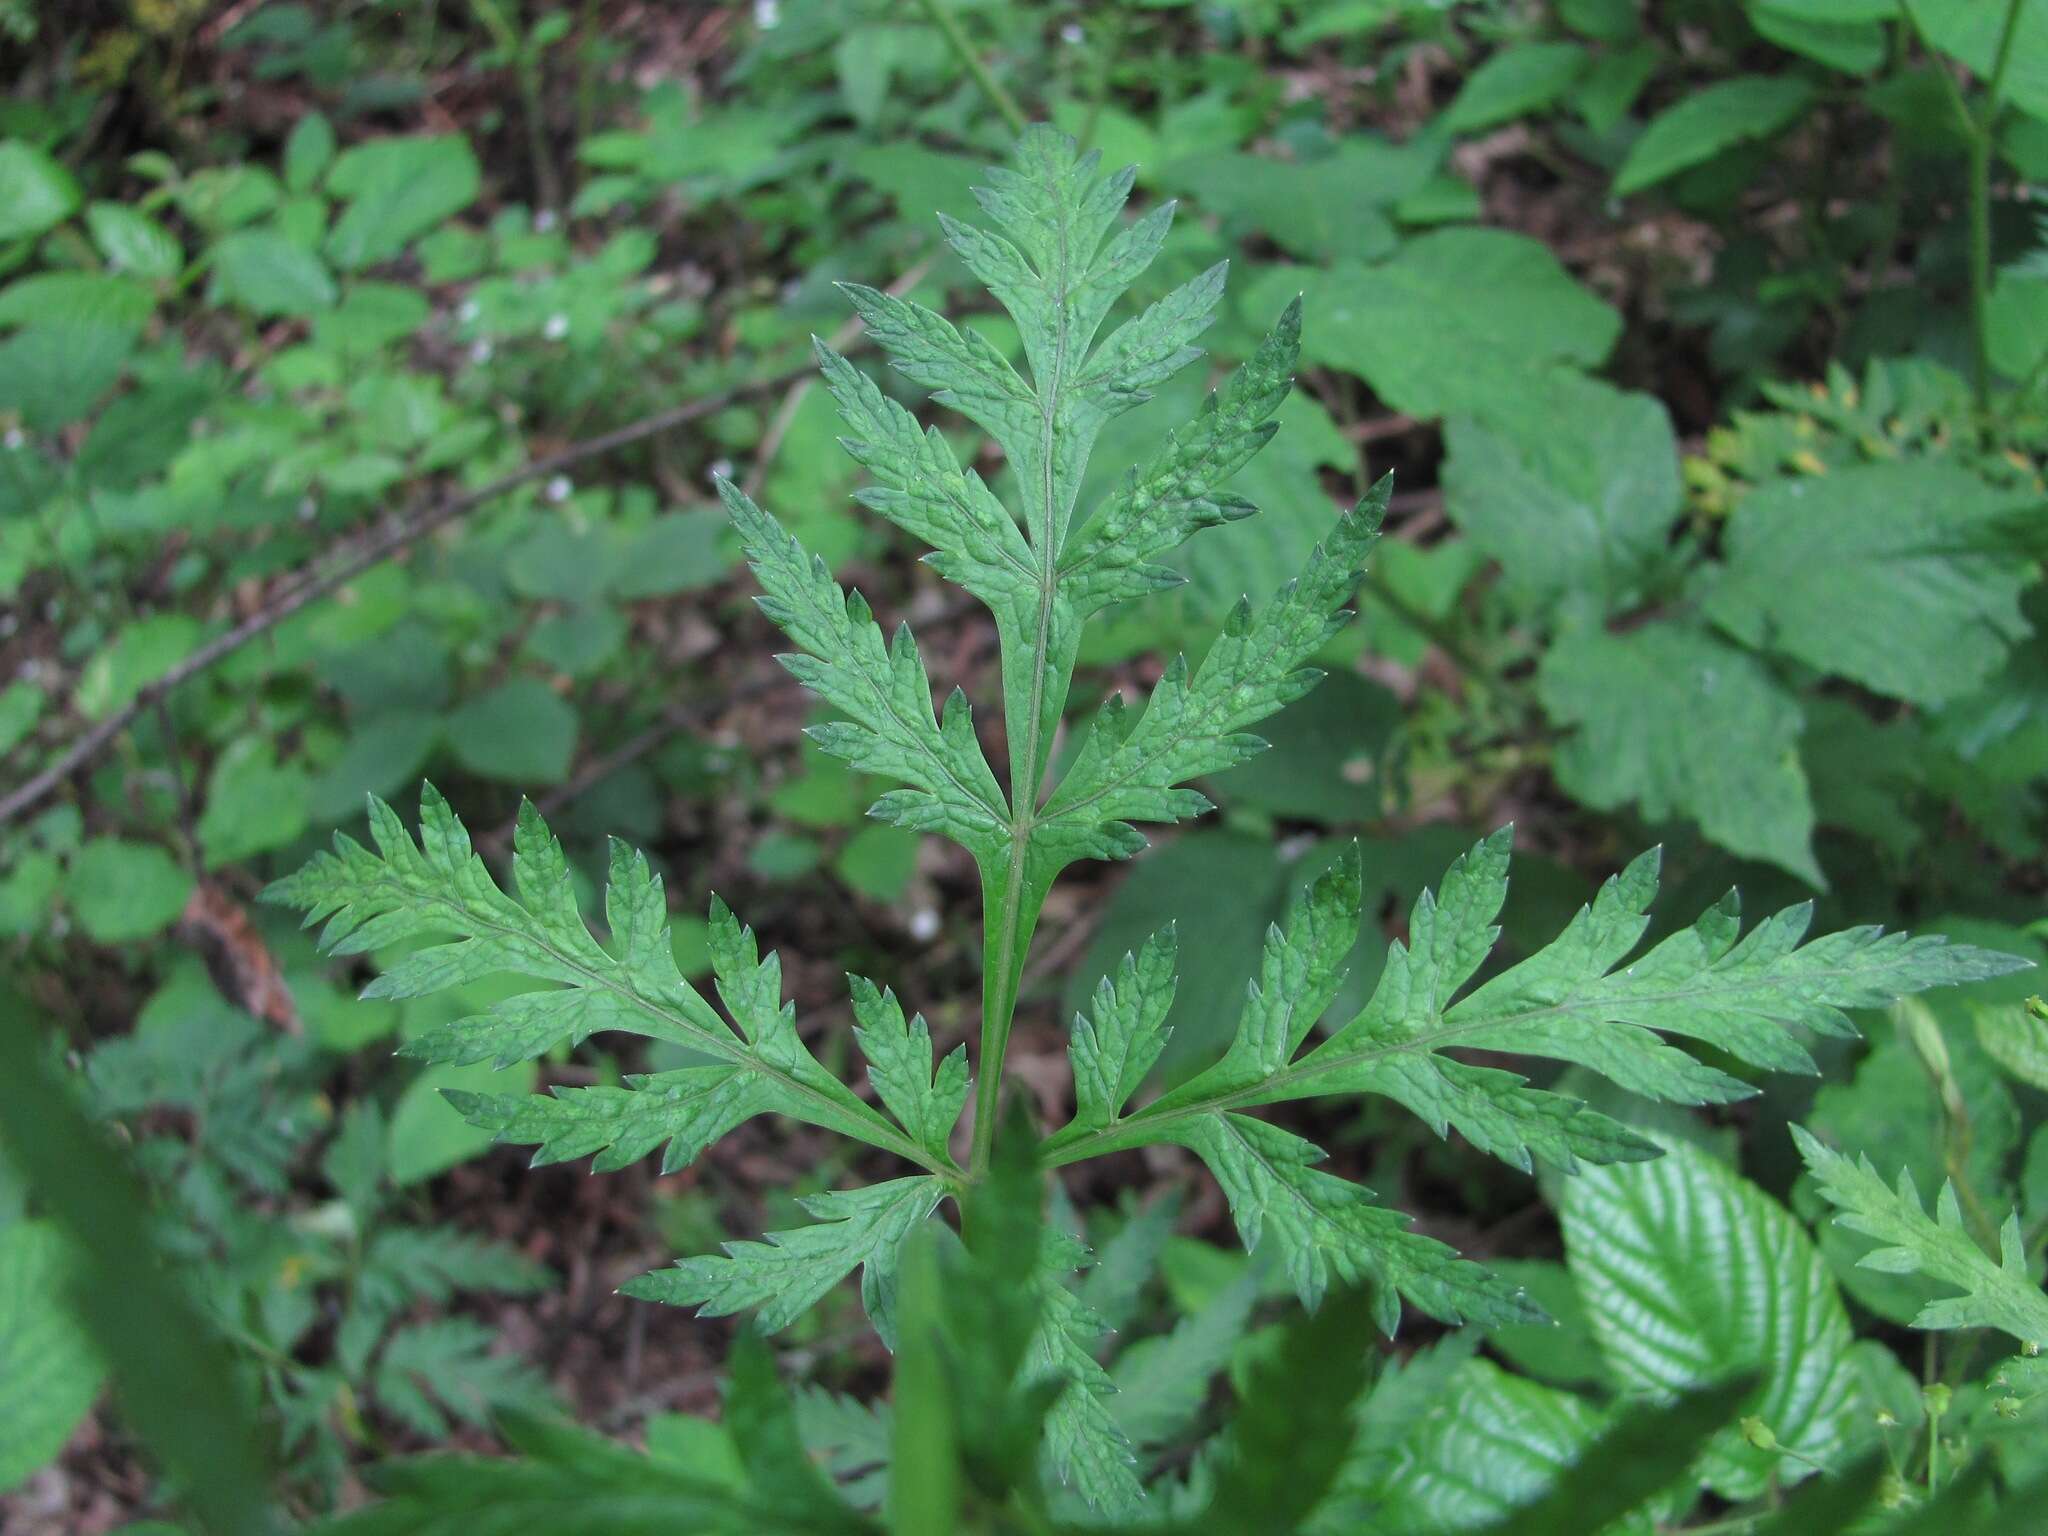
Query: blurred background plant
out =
(363, 369)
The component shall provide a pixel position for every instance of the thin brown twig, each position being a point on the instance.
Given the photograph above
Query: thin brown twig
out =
(343, 567)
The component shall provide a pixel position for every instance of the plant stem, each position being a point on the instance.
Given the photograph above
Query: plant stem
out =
(949, 26)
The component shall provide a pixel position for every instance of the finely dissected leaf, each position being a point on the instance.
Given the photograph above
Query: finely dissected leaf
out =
(444, 1367)
(1896, 588)
(406, 890)
(881, 687)
(1739, 994)
(1195, 724)
(786, 1276)
(1996, 1294)
(1085, 1446)
(1678, 722)
(1162, 1382)
(1691, 1274)
(1112, 1052)
(925, 1101)
(1178, 492)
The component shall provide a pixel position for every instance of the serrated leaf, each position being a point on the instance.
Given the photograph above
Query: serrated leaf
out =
(1997, 1293)
(881, 688)
(49, 1371)
(438, 885)
(1488, 1445)
(436, 1370)
(925, 1100)
(1717, 117)
(1195, 723)
(1741, 994)
(1114, 1048)
(1896, 589)
(1676, 721)
(784, 1277)
(1084, 1445)
(1690, 1274)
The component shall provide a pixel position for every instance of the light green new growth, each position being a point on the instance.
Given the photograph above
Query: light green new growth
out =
(1996, 1294)
(1058, 261)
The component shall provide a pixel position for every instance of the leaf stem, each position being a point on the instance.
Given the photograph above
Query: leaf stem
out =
(949, 27)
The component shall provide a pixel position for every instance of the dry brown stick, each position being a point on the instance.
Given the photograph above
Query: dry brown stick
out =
(345, 567)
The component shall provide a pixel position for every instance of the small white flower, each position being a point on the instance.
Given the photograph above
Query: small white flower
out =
(556, 328)
(544, 221)
(767, 14)
(468, 311)
(924, 925)
(480, 352)
(14, 439)
(721, 469)
(1072, 35)
(9, 623)
(308, 509)
(558, 489)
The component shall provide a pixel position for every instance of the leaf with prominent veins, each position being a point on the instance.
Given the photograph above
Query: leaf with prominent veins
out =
(405, 890)
(1112, 1052)
(785, 1276)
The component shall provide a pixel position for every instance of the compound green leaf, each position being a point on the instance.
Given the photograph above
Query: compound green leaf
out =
(784, 1277)
(1997, 1293)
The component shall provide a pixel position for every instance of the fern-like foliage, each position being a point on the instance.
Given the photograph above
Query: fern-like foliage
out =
(1996, 1293)
(1059, 258)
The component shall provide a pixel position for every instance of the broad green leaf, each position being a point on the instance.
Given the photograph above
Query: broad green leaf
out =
(784, 1277)
(1337, 205)
(2016, 1037)
(134, 242)
(1714, 118)
(36, 193)
(1459, 321)
(1690, 1275)
(49, 1371)
(55, 372)
(121, 891)
(1897, 590)
(1514, 83)
(520, 732)
(1997, 1293)
(1853, 47)
(269, 273)
(308, 152)
(1676, 721)
(1573, 493)
(407, 889)
(1971, 33)
(394, 190)
(253, 803)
